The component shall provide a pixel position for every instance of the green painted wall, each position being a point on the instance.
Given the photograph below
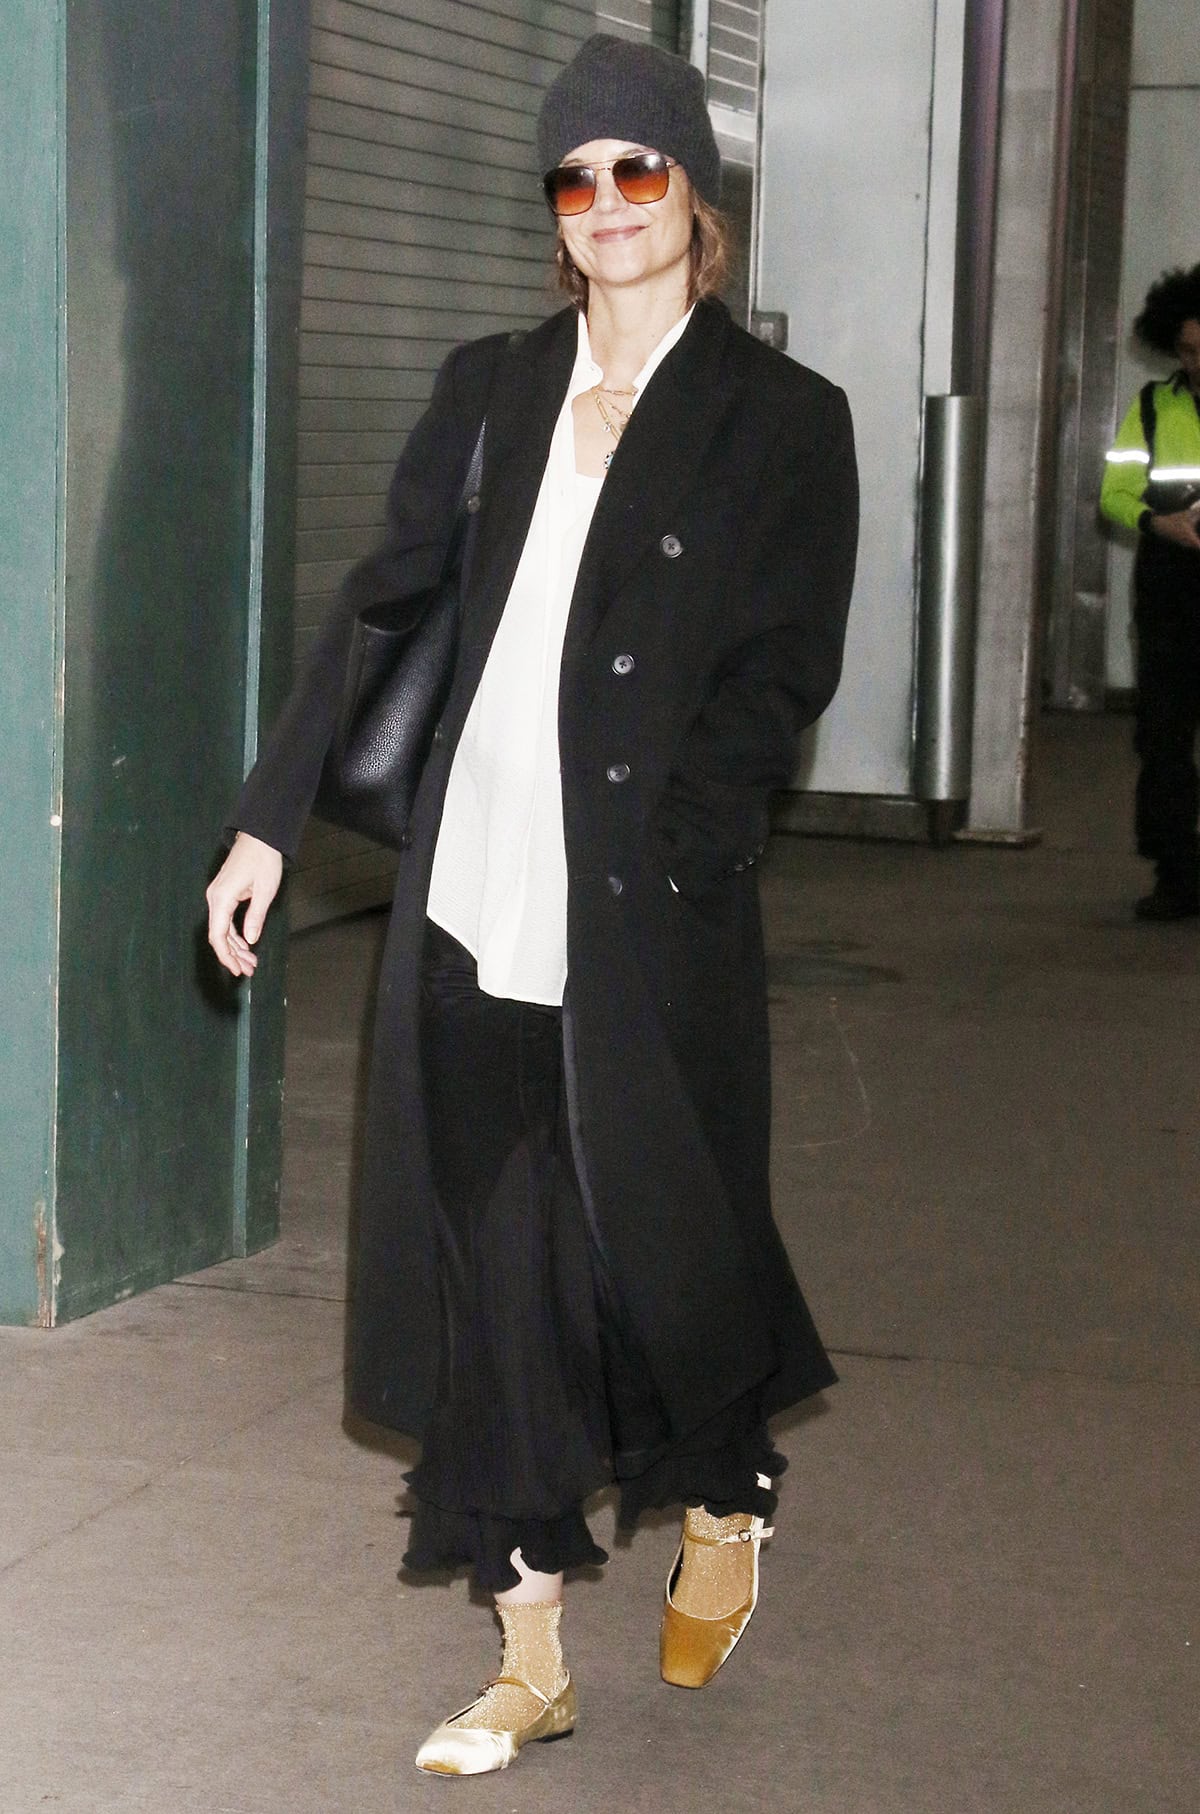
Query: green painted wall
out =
(29, 596)
(142, 1101)
(160, 319)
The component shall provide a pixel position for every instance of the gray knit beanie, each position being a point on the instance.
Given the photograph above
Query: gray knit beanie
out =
(615, 89)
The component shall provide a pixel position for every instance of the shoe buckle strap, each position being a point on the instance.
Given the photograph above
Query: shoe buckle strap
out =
(516, 1681)
(750, 1535)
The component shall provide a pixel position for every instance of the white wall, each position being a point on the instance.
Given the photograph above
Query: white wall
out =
(1162, 228)
(1166, 45)
(846, 215)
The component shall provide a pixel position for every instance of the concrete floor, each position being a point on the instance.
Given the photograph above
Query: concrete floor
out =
(983, 1594)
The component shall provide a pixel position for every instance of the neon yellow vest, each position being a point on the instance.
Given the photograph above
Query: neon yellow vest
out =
(1134, 482)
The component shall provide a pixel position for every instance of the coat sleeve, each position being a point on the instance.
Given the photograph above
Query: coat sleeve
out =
(713, 817)
(277, 795)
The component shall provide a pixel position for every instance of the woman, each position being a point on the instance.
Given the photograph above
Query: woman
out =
(1152, 485)
(569, 1270)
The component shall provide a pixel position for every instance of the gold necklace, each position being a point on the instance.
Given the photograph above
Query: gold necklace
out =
(615, 427)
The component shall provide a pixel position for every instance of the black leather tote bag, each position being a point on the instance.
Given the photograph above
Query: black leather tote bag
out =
(398, 674)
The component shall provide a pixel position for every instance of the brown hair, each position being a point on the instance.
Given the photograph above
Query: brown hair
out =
(711, 251)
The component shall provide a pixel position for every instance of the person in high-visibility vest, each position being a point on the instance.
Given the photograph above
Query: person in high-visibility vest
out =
(1152, 486)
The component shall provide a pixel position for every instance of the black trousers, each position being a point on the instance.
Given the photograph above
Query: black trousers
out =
(1167, 622)
(543, 1396)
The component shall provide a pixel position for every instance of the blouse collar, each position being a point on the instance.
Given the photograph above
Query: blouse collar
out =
(587, 373)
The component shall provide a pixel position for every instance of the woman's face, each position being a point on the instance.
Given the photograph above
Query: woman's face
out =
(618, 243)
(1187, 351)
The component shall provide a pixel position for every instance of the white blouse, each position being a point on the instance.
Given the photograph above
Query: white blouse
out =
(499, 883)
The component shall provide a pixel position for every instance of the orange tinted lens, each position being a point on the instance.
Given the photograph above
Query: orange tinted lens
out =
(570, 189)
(643, 178)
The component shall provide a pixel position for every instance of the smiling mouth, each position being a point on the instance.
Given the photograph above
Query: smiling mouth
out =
(617, 232)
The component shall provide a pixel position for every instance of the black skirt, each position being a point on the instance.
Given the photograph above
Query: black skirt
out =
(542, 1397)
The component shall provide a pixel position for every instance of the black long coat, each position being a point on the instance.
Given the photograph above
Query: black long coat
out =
(705, 629)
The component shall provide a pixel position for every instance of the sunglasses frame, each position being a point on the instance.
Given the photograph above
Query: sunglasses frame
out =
(610, 164)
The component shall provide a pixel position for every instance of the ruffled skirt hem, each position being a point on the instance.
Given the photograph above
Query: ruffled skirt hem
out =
(444, 1539)
(723, 1482)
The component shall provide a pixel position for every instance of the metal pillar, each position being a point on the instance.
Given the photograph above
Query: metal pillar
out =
(949, 564)
(1034, 129)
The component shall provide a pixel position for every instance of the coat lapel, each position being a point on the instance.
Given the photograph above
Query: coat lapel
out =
(655, 464)
(654, 467)
(521, 413)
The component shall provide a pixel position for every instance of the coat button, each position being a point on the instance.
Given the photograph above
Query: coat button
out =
(623, 664)
(617, 771)
(616, 884)
(473, 503)
(671, 546)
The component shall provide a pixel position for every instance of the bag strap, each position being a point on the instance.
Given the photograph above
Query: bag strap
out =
(475, 469)
(458, 535)
(1149, 418)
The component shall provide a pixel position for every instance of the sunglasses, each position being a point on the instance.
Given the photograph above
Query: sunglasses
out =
(640, 176)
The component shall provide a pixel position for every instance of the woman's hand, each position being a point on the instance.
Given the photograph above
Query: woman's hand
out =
(251, 872)
(1179, 526)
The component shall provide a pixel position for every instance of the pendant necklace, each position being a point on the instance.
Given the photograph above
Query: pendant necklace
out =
(615, 421)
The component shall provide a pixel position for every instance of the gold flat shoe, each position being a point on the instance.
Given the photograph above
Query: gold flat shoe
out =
(452, 1750)
(691, 1649)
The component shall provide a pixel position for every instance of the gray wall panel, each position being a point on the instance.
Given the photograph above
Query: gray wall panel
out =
(848, 104)
(424, 227)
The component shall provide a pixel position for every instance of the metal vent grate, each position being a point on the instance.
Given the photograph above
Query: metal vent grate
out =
(656, 20)
(734, 54)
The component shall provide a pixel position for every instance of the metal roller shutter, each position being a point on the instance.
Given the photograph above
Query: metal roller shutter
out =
(423, 227)
(657, 20)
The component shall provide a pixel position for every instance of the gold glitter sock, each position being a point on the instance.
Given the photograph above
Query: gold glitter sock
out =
(714, 1580)
(533, 1653)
